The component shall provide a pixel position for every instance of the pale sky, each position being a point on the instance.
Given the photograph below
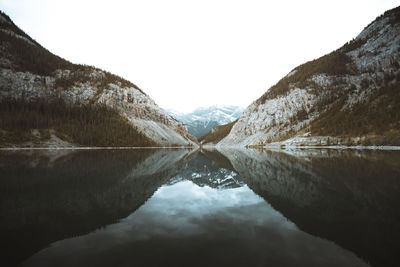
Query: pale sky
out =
(186, 54)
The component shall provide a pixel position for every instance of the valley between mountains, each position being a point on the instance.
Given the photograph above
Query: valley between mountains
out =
(349, 97)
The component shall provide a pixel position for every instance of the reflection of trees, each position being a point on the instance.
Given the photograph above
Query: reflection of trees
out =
(349, 197)
(75, 193)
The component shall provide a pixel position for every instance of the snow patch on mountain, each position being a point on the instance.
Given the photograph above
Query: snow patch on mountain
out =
(202, 120)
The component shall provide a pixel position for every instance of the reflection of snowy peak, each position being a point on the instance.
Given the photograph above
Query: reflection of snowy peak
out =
(202, 120)
(204, 173)
(220, 179)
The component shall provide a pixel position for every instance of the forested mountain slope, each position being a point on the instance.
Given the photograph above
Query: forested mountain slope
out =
(46, 99)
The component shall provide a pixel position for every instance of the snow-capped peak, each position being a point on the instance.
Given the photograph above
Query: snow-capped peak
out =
(203, 119)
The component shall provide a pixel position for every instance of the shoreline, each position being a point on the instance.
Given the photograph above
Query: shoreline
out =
(91, 148)
(302, 147)
(299, 147)
(274, 147)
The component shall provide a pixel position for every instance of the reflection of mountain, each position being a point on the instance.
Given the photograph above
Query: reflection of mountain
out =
(204, 172)
(75, 193)
(348, 197)
(187, 225)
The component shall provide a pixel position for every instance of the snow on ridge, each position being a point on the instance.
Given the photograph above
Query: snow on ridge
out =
(222, 115)
(202, 120)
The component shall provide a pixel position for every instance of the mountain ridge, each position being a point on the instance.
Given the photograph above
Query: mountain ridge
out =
(201, 120)
(30, 72)
(348, 97)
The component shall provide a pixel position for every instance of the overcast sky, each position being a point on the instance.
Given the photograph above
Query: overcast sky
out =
(186, 54)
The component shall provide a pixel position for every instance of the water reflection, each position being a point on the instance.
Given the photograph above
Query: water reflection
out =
(204, 172)
(208, 208)
(348, 196)
(46, 196)
(185, 224)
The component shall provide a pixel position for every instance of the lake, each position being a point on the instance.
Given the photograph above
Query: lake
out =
(181, 207)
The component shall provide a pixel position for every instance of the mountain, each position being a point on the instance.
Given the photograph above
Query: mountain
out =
(202, 120)
(217, 133)
(49, 101)
(348, 97)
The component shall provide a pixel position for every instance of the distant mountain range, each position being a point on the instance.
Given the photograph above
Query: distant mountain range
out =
(202, 120)
(350, 96)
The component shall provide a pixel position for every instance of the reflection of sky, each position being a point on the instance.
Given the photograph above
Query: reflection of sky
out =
(183, 220)
(185, 209)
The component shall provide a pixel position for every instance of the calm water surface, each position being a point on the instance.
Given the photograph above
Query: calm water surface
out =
(176, 207)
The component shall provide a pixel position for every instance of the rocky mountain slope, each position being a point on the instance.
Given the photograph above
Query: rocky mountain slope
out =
(350, 96)
(202, 120)
(30, 73)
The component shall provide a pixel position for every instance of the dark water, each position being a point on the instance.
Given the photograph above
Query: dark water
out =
(200, 208)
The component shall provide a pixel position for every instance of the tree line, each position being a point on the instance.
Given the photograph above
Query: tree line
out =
(85, 124)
